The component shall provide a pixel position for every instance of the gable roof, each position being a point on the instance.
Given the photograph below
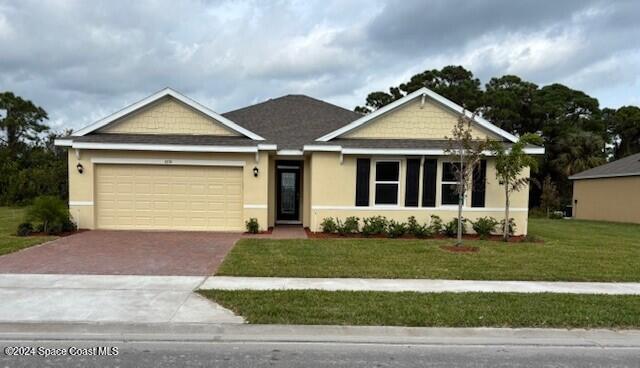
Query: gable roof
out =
(408, 98)
(178, 96)
(627, 166)
(292, 121)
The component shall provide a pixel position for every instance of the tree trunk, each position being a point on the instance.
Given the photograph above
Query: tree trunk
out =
(505, 233)
(460, 200)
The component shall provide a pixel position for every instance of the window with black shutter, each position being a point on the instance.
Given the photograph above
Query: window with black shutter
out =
(412, 187)
(479, 184)
(387, 182)
(429, 177)
(450, 183)
(363, 166)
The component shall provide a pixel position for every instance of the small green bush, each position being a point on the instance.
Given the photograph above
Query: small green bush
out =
(375, 225)
(512, 226)
(329, 225)
(451, 227)
(556, 215)
(349, 226)
(484, 226)
(252, 225)
(418, 230)
(537, 212)
(435, 225)
(52, 213)
(396, 229)
(24, 229)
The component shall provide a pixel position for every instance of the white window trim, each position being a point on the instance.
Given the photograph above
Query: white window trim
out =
(376, 182)
(442, 183)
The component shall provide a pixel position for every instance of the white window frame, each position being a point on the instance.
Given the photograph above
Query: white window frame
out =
(376, 182)
(443, 183)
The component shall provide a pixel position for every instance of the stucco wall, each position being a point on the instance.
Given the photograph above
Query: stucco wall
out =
(81, 186)
(168, 116)
(333, 194)
(416, 121)
(607, 199)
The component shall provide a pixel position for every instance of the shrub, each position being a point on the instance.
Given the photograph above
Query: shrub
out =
(396, 229)
(52, 213)
(418, 230)
(451, 227)
(484, 226)
(537, 212)
(252, 225)
(374, 225)
(556, 215)
(24, 229)
(329, 225)
(436, 224)
(349, 226)
(512, 226)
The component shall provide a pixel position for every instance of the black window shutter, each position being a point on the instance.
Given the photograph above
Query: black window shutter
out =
(412, 187)
(363, 168)
(429, 182)
(479, 184)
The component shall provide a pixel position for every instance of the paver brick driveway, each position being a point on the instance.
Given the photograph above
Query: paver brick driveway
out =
(102, 252)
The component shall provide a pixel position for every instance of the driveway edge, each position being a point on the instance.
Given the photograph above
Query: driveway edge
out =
(185, 332)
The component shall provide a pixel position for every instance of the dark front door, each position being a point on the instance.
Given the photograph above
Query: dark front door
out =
(288, 192)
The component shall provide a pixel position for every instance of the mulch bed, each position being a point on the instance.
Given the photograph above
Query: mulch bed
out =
(497, 238)
(62, 235)
(459, 249)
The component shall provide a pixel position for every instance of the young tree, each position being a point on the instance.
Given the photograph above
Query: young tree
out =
(509, 164)
(466, 152)
(550, 198)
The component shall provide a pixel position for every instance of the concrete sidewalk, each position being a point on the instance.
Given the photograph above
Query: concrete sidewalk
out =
(93, 298)
(418, 285)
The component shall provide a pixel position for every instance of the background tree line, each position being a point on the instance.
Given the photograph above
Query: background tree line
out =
(30, 164)
(577, 133)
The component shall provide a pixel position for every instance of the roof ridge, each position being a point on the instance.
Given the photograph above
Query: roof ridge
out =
(292, 95)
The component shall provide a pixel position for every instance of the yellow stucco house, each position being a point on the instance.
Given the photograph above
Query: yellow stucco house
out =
(170, 163)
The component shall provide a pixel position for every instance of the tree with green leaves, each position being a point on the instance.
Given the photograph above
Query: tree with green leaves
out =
(508, 102)
(550, 198)
(624, 126)
(466, 152)
(509, 165)
(20, 120)
(453, 82)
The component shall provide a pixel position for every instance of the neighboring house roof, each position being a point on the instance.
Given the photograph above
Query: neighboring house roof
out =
(627, 166)
(292, 121)
(408, 98)
(178, 96)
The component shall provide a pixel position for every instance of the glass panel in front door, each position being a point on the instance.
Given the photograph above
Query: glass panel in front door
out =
(288, 193)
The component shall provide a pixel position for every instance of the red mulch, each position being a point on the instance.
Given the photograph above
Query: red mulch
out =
(320, 235)
(459, 249)
(62, 235)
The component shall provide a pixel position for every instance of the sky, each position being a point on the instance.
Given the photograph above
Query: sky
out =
(83, 60)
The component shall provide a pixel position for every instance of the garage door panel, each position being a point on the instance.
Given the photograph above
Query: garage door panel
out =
(168, 197)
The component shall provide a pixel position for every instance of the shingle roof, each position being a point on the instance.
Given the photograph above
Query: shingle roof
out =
(627, 166)
(292, 121)
(393, 143)
(214, 140)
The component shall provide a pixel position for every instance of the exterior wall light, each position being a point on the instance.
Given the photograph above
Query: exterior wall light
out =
(80, 168)
(255, 171)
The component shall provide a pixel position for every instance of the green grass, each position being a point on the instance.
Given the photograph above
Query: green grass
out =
(572, 251)
(312, 307)
(9, 220)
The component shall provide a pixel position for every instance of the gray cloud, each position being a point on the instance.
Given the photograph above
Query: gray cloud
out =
(83, 60)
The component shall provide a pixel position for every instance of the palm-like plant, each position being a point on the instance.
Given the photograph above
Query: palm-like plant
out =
(576, 152)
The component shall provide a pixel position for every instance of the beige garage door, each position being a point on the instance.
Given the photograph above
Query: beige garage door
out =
(169, 197)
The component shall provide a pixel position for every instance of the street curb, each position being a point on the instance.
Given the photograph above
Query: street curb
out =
(184, 332)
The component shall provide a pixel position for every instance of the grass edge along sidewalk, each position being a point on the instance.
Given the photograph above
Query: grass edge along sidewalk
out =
(539, 310)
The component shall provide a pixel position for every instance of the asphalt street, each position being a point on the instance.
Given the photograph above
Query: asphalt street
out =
(279, 354)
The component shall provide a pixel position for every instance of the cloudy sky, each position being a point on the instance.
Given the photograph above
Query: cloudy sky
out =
(82, 60)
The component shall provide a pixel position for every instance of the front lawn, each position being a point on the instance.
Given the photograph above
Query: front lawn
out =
(313, 307)
(9, 220)
(572, 251)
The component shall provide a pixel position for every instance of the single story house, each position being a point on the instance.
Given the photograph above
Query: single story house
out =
(610, 192)
(168, 162)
